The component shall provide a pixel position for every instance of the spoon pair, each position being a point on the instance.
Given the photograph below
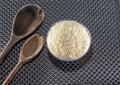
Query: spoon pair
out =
(25, 22)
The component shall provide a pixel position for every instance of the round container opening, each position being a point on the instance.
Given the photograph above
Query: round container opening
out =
(68, 40)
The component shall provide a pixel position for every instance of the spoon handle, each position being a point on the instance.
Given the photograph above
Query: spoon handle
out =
(12, 73)
(7, 49)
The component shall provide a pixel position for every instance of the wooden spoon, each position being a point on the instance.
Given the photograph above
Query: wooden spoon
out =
(29, 51)
(25, 22)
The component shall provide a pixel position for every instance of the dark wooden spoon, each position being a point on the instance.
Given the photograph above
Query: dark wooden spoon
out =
(29, 51)
(26, 21)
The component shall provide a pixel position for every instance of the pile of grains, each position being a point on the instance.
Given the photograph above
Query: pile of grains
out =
(68, 40)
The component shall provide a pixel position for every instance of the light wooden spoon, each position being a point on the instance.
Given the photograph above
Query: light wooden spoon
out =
(29, 51)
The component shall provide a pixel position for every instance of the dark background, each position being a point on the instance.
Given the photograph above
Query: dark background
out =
(101, 65)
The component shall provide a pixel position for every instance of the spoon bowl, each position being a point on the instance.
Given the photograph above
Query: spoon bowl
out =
(26, 21)
(31, 48)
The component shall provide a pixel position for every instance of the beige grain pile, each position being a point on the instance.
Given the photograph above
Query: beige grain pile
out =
(68, 40)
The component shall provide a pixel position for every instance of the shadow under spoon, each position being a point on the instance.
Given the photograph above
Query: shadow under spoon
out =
(26, 21)
(29, 51)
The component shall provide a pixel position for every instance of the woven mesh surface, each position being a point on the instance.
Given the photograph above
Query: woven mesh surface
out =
(101, 65)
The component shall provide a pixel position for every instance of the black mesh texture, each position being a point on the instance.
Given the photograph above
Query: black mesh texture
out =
(101, 65)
